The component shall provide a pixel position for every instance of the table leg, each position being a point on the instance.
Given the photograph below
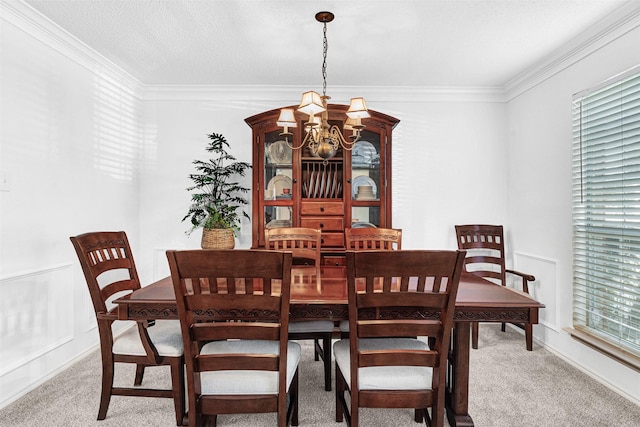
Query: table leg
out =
(457, 400)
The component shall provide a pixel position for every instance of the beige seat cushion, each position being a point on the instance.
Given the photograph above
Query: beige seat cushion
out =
(311, 326)
(165, 335)
(385, 377)
(247, 381)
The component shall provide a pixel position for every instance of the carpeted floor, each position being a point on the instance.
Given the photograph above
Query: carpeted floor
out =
(508, 387)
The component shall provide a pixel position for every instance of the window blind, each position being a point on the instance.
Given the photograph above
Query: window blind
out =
(606, 213)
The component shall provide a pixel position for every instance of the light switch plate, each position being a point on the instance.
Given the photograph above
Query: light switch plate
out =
(5, 182)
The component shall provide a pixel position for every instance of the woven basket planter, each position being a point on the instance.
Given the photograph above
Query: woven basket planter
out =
(217, 238)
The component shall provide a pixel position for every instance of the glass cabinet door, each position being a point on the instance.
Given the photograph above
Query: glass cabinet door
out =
(367, 182)
(278, 182)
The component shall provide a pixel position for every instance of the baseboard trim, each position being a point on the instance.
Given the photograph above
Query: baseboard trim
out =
(49, 376)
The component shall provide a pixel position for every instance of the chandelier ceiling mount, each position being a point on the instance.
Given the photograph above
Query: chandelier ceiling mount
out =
(324, 140)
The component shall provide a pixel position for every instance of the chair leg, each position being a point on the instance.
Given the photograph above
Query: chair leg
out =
(316, 349)
(177, 385)
(107, 387)
(139, 374)
(340, 389)
(192, 413)
(528, 333)
(503, 327)
(474, 335)
(326, 347)
(294, 400)
(437, 410)
(418, 415)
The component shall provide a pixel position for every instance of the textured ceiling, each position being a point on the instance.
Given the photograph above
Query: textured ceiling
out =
(371, 42)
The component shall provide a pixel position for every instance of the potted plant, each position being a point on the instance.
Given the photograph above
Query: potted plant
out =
(217, 197)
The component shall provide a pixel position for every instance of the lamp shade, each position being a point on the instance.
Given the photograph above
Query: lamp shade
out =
(311, 103)
(286, 118)
(350, 123)
(358, 108)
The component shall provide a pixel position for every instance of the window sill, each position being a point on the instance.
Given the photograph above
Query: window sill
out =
(628, 359)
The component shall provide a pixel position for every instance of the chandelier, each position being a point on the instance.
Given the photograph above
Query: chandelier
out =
(323, 139)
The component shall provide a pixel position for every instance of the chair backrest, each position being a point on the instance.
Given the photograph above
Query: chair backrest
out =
(229, 295)
(485, 250)
(406, 293)
(366, 239)
(304, 243)
(107, 264)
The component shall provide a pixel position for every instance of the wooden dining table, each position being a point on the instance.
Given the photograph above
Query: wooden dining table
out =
(322, 294)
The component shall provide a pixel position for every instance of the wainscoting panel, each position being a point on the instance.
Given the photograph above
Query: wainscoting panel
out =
(36, 315)
(545, 287)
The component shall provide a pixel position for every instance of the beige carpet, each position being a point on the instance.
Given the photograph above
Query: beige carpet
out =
(509, 387)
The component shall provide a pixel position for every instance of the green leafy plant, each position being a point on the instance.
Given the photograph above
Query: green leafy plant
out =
(217, 198)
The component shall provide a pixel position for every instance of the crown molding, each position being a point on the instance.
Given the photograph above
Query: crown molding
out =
(35, 25)
(614, 26)
(339, 94)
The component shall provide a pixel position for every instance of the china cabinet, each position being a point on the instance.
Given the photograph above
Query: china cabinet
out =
(293, 188)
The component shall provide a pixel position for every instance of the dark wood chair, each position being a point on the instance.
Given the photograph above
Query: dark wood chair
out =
(384, 239)
(395, 296)
(234, 313)
(305, 244)
(486, 258)
(367, 239)
(109, 269)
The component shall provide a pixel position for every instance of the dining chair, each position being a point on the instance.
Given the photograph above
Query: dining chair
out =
(234, 313)
(109, 269)
(359, 239)
(305, 244)
(373, 239)
(397, 301)
(486, 258)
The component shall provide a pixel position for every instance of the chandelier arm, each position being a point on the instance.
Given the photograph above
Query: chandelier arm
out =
(311, 137)
(336, 138)
(290, 144)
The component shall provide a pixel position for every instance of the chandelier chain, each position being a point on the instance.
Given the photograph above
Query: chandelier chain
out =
(324, 60)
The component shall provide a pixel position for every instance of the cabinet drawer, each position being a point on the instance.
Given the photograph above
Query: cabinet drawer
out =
(332, 239)
(322, 208)
(329, 223)
(334, 260)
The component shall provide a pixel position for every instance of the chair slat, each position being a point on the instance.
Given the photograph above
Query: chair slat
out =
(370, 358)
(236, 362)
(235, 330)
(396, 399)
(401, 299)
(399, 328)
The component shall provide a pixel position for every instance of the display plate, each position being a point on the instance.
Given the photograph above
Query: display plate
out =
(279, 153)
(278, 183)
(362, 225)
(363, 180)
(363, 153)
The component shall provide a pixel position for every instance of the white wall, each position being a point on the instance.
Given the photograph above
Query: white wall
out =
(69, 146)
(438, 147)
(539, 194)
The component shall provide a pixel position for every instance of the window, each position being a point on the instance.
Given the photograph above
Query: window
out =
(606, 213)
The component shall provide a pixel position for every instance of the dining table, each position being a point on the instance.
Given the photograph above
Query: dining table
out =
(321, 293)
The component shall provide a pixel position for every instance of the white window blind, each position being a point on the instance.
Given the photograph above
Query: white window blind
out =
(606, 213)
